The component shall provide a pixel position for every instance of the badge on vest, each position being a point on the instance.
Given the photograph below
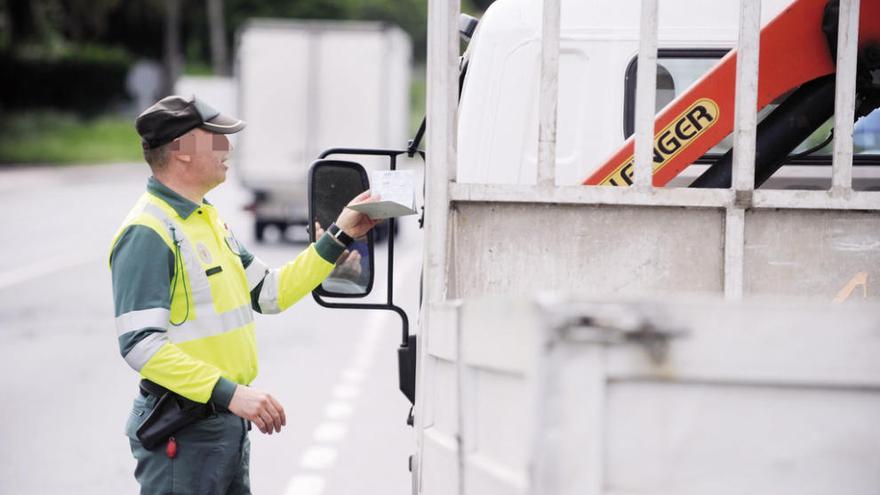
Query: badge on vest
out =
(204, 253)
(233, 244)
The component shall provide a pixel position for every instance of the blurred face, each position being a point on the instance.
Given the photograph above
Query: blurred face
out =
(207, 154)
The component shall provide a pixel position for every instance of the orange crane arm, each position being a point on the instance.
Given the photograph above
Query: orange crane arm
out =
(793, 51)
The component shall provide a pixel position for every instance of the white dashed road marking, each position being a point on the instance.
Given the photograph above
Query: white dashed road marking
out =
(305, 485)
(318, 457)
(344, 391)
(354, 375)
(330, 432)
(322, 454)
(338, 409)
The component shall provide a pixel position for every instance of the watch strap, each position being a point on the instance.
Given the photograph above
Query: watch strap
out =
(340, 235)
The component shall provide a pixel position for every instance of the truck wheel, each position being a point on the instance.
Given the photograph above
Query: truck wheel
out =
(259, 230)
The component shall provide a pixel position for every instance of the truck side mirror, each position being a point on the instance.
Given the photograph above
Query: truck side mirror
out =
(332, 184)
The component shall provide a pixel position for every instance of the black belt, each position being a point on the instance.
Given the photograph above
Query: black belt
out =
(151, 388)
(170, 413)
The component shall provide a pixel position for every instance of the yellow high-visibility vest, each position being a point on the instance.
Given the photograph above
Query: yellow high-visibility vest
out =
(205, 338)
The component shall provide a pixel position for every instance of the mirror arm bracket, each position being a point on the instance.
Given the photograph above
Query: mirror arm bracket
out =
(382, 307)
(416, 141)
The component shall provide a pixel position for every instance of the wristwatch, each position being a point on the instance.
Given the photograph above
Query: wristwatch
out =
(339, 235)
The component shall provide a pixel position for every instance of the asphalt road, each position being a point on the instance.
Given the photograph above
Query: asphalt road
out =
(67, 392)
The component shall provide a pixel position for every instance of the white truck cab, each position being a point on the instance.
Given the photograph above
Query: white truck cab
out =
(690, 343)
(599, 41)
(585, 339)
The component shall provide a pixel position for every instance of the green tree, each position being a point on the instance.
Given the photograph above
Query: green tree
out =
(50, 23)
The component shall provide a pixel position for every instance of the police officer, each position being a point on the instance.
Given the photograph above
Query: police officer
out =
(185, 290)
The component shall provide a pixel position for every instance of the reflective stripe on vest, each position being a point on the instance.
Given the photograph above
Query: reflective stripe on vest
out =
(269, 296)
(209, 324)
(258, 272)
(138, 356)
(255, 273)
(144, 318)
(200, 288)
(207, 321)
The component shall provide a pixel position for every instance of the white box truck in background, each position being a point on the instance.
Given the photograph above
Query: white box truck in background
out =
(307, 86)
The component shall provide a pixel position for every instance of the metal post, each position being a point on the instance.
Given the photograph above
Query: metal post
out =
(443, 48)
(745, 126)
(745, 108)
(734, 252)
(844, 100)
(549, 97)
(646, 96)
(442, 102)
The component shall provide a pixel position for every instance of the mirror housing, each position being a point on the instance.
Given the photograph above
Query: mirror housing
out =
(332, 184)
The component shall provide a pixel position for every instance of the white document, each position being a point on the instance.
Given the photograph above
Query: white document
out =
(397, 193)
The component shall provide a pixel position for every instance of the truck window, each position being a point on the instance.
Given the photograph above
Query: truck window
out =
(677, 69)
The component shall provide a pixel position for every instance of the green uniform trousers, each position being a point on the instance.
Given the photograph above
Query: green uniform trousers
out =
(212, 456)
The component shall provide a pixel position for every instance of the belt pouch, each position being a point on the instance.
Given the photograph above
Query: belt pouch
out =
(170, 414)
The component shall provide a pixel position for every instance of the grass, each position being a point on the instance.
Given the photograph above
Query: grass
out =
(48, 137)
(58, 138)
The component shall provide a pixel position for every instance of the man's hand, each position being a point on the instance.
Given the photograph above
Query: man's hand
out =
(354, 223)
(259, 407)
(348, 265)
